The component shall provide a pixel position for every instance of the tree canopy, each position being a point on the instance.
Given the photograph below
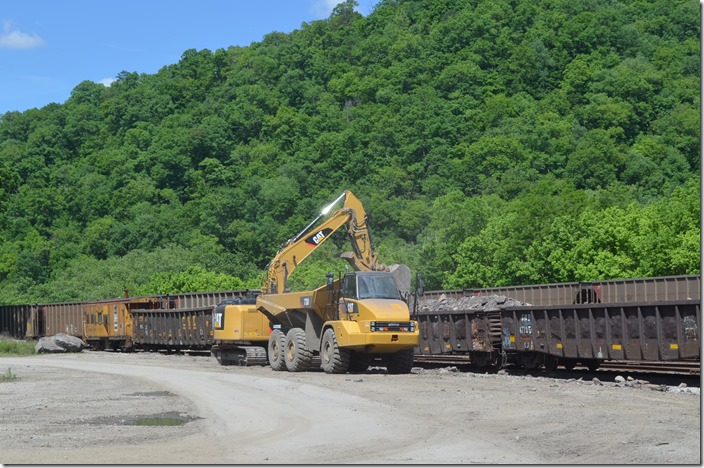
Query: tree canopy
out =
(493, 142)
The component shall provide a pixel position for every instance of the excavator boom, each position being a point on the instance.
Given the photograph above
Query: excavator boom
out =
(298, 248)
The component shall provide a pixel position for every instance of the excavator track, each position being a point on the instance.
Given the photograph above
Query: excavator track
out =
(241, 356)
(255, 356)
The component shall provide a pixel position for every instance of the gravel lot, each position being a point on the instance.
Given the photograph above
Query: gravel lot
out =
(83, 408)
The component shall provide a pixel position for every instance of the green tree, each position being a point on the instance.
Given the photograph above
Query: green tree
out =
(492, 142)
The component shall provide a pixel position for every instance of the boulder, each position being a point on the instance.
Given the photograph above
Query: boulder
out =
(46, 344)
(402, 277)
(60, 343)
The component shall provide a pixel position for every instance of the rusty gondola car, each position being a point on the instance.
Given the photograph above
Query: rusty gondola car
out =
(662, 288)
(474, 334)
(50, 319)
(17, 321)
(589, 334)
(643, 319)
(173, 329)
(110, 324)
(164, 322)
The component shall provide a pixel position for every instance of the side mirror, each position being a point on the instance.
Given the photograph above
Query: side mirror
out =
(420, 284)
(330, 279)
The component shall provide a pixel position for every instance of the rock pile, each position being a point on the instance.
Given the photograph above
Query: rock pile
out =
(482, 303)
(60, 343)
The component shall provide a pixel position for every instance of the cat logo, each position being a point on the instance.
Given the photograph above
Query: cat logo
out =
(317, 238)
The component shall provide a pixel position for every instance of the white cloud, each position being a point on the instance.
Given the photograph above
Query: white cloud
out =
(107, 82)
(12, 38)
(323, 8)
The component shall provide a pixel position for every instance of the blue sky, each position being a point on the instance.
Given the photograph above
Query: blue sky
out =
(47, 47)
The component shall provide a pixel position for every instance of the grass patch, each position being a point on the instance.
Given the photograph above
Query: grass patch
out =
(9, 347)
(8, 376)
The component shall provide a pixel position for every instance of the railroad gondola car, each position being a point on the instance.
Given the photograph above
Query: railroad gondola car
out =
(645, 319)
(16, 321)
(662, 288)
(173, 329)
(589, 334)
(110, 324)
(164, 322)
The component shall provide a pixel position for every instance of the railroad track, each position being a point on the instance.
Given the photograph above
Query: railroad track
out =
(449, 359)
(657, 367)
(688, 368)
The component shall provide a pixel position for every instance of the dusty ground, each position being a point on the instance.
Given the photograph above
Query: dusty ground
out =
(81, 408)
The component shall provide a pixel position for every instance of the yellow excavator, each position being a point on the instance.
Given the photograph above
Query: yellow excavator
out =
(240, 333)
(350, 320)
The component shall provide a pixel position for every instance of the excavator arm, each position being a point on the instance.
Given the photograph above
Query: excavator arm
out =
(295, 250)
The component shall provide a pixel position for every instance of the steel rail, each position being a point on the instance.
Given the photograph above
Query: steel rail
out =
(667, 367)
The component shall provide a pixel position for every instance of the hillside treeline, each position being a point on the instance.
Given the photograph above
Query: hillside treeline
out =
(493, 142)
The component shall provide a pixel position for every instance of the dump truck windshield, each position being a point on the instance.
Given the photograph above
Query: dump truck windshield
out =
(376, 287)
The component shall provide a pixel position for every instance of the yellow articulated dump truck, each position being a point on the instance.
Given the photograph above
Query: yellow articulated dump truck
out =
(348, 321)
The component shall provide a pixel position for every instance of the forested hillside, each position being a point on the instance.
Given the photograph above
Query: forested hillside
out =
(493, 142)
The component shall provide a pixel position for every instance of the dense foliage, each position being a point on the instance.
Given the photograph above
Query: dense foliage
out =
(493, 142)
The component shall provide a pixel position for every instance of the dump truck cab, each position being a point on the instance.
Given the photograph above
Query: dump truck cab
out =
(360, 285)
(372, 318)
(372, 297)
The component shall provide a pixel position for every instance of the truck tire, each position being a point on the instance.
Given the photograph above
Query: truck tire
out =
(333, 360)
(400, 362)
(297, 356)
(276, 349)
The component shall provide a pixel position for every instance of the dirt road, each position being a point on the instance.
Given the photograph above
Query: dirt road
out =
(83, 408)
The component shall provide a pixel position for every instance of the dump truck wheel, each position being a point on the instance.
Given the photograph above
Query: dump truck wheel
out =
(297, 356)
(333, 360)
(276, 349)
(400, 362)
